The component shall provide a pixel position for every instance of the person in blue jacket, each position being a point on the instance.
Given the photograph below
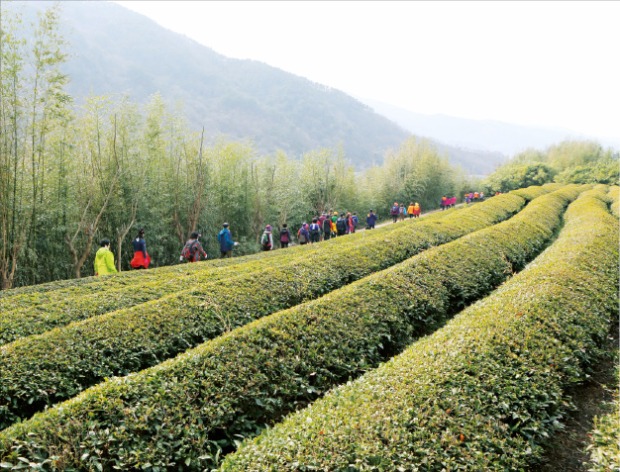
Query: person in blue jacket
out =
(225, 239)
(371, 219)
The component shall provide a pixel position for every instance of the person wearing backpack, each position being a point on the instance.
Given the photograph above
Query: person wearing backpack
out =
(104, 259)
(141, 258)
(303, 235)
(224, 237)
(327, 229)
(341, 225)
(266, 240)
(371, 220)
(285, 236)
(394, 212)
(355, 220)
(193, 249)
(315, 231)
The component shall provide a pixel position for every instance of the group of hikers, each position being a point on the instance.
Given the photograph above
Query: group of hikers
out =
(475, 196)
(104, 259)
(399, 212)
(323, 227)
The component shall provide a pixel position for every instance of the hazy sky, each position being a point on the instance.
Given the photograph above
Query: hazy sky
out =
(535, 63)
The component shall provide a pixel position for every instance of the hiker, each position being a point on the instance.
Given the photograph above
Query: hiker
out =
(141, 258)
(410, 210)
(341, 225)
(402, 211)
(417, 210)
(321, 222)
(315, 231)
(266, 240)
(394, 212)
(193, 249)
(303, 235)
(355, 220)
(444, 202)
(371, 220)
(224, 237)
(285, 236)
(327, 229)
(104, 259)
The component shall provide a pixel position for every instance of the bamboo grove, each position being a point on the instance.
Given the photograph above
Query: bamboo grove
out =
(73, 173)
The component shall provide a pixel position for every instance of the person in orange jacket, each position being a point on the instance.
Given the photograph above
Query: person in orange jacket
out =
(417, 210)
(410, 210)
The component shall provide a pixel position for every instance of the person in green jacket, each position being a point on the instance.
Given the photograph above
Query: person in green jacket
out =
(104, 259)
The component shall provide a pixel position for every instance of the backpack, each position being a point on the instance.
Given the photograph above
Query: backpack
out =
(188, 251)
(284, 236)
(314, 229)
(301, 236)
(341, 224)
(395, 210)
(264, 240)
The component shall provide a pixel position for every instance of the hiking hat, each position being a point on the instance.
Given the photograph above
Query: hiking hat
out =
(268, 227)
(225, 225)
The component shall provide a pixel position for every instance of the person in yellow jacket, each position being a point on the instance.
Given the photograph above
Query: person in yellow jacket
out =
(410, 210)
(104, 259)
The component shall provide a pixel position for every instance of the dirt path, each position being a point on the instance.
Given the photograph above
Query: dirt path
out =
(566, 451)
(390, 222)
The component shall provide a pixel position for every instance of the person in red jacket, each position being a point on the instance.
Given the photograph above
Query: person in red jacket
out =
(141, 258)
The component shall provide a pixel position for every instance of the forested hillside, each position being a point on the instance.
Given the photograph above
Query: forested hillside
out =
(114, 51)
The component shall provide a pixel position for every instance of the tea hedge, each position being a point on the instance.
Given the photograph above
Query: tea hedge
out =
(40, 370)
(40, 315)
(182, 413)
(482, 393)
(604, 448)
(33, 313)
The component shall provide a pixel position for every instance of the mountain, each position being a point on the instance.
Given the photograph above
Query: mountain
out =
(488, 135)
(116, 51)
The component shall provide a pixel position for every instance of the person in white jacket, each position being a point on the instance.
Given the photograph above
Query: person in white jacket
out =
(266, 240)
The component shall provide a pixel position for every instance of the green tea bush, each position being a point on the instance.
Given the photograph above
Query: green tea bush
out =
(482, 393)
(183, 413)
(35, 314)
(40, 370)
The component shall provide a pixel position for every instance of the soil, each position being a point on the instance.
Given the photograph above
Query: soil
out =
(566, 452)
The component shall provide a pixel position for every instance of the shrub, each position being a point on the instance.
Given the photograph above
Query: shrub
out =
(482, 393)
(182, 413)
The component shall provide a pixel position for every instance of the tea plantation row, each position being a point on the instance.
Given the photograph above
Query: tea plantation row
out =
(482, 393)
